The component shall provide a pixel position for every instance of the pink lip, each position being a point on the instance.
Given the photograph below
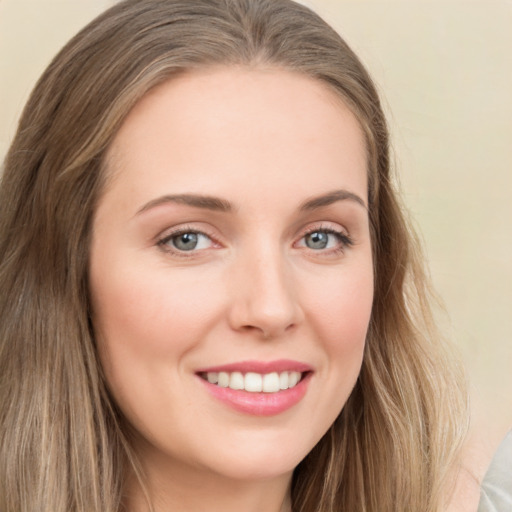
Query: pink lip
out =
(281, 365)
(259, 404)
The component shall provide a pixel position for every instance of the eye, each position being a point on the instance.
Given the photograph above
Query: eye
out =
(321, 239)
(186, 241)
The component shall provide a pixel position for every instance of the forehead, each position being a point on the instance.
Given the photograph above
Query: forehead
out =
(242, 125)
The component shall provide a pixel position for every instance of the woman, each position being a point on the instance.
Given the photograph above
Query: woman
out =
(209, 279)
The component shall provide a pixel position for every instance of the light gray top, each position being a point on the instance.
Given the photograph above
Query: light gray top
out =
(496, 492)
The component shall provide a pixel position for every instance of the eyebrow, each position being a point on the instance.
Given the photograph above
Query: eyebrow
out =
(221, 205)
(330, 198)
(195, 200)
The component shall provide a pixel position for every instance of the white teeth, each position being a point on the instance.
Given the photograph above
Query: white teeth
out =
(271, 383)
(236, 381)
(255, 382)
(223, 379)
(293, 379)
(212, 377)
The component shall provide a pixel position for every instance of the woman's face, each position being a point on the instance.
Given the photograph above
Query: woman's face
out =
(231, 249)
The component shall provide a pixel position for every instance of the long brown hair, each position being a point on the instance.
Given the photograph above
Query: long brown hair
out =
(63, 443)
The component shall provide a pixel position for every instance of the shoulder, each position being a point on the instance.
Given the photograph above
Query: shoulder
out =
(474, 492)
(496, 495)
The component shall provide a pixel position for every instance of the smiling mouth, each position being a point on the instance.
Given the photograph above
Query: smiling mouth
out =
(255, 382)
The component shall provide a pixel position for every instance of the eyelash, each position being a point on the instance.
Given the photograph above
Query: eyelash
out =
(163, 242)
(344, 240)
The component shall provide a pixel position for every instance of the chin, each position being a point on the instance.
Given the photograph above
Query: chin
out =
(262, 460)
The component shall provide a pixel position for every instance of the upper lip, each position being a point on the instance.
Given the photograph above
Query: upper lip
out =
(263, 367)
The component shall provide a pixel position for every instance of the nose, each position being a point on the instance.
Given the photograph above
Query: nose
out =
(264, 298)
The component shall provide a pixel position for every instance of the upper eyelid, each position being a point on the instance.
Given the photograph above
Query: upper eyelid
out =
(323, 227)
(179, 232)
(346, 238)
(181, 229)
(329, 226)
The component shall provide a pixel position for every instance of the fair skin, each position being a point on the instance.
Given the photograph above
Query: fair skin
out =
(232, 237)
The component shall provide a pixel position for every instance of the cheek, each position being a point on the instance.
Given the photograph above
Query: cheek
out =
(145, 310)
(341, 306)
(146, 321)
(340, 314)
(339, 311)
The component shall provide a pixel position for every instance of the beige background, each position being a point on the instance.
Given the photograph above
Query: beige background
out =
(445, 72)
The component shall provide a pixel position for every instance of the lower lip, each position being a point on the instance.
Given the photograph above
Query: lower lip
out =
(260, 404)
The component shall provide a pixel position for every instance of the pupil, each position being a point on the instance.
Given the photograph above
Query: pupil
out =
(317, 240)
(186, 241)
